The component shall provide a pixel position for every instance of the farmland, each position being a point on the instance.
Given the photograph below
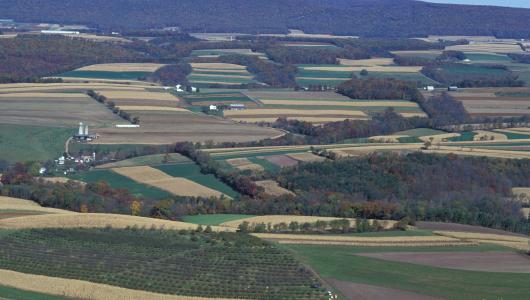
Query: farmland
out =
(495, 101)
(118, 71)
(205, 74)
(187, 267)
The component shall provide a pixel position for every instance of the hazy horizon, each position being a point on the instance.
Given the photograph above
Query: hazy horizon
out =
(511, 3)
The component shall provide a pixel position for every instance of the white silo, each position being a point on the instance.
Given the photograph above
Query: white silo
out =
(86, 129)
(81, 128)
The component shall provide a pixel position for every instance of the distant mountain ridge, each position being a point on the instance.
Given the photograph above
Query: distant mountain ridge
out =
(370, 18)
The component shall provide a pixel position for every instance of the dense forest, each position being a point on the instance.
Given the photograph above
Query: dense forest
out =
(26, 58)
(352, 17)
(415, 186)
(377, 88)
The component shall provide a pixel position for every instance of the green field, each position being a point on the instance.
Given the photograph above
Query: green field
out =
(135, 75)
(31, 143)
(121, 182)
(216, 219)
(16, 294)
(192, 172)
(464, 137)
(214, 265)
(419, 132)
(487, 57)
(126, 148)
(340, 262)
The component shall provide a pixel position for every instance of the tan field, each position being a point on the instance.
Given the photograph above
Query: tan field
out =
(489, 136)
(306, 157)
(363, 150)
(294, 112)
(77, 80)
(244, 164)
(488, 47)
(521, 191)
(413, 114)
(78, 289)
(152, 108)
(341, 103)
(44, 96)
(411, 241)
(218, 66)
(438, 138)
(123, 67)
(516, 242)
(138, 95)
(372, 62)
(387, 138)
(60, 180)
(9, 201)
(92, 220)
(272, 188)
(479, 152)
(234, 71)
(222, 76)
(514, 130)
(61, 87)
(388, 69)
(21, 205)
(174, 185)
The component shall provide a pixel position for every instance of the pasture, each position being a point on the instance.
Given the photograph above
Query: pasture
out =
(221, 52)
(117, 71)
(259, 264)
(215, 219)
(349, 270)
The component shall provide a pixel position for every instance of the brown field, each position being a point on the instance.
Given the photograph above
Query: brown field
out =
(411, 241)
(486, 101)
(359, 291)
(218, 66)
(473, 261)
(292, 112)
(280, 160)
(175, 185)
(293, 95)
(76, 220)
(151, 108)
(54, 109)
(138, 95)
(123, 67)
(272, 188)
(372, 62)
(277, 219)
(244, 164)
(306, 157)
(78, 289)
(455, 227)
(340, 103)
(161, 127)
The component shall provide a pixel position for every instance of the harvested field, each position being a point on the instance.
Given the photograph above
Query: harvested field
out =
(413, 114)
(506, 262)
(521, 191)
(280, 160)
(314, 120)
(363, 150)
(372, 62)
(352, 103)
(151, 108)
(412, 241)
(53, 109)
(74, 220)
(117, 95)
(218, 66)
(78, 289)
(62, 87)
(20, 203)
(387, 138)
(223, 76)
(359, 291)
(292, 112)
(123, 67)
(487, 47)
(155, 159)
(175, 185)
(60, 180)
(454, 227)
(272, 188)
(510, 241)
(306, 157)
(277, 219)
(293, 95)
(244, 164)
(385, 69)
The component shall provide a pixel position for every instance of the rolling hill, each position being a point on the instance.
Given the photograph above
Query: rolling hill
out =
(381, 18)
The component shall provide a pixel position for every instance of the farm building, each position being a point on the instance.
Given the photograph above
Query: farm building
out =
(236, 107)
(83, 134)
(452, 89)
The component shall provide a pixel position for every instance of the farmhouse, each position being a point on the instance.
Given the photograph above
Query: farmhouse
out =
(83, 134)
